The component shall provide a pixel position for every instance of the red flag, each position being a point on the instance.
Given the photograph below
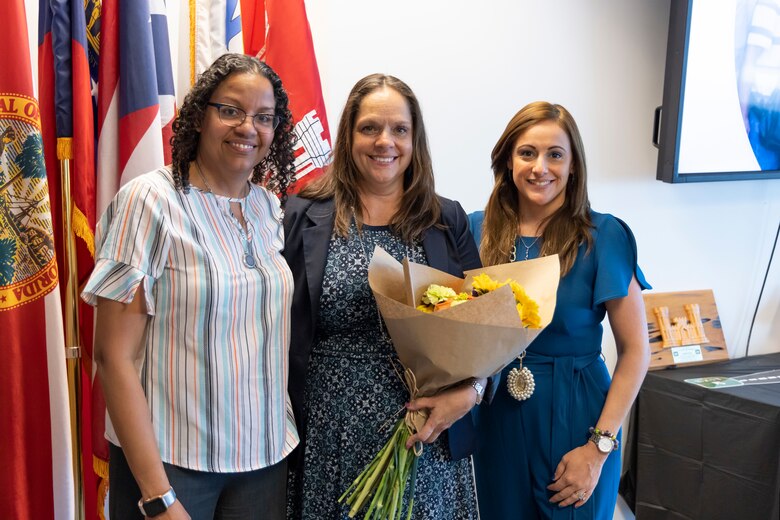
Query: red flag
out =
(36, 480)
(68, 134)
(287, 47)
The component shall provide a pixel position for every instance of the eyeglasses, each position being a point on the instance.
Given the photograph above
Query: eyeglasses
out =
(234, 116)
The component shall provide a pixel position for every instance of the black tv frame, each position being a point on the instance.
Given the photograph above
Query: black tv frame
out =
(668, 117)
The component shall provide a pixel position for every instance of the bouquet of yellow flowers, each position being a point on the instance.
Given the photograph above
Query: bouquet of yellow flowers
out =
(437, 298)
(488, 324)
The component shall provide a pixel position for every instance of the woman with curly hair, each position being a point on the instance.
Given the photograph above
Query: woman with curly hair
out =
(193, 309)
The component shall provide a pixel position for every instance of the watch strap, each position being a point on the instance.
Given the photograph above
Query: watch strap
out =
(479, 388)
(154, 506)
(596, 434)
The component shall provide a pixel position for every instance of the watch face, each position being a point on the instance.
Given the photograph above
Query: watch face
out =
(604, 444)
(154, 507)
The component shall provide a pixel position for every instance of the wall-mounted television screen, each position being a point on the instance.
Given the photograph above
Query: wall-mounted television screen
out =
(720, 118)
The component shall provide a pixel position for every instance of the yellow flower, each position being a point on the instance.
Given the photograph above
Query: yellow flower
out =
(527, 308)
(483, 284)
(438, 297)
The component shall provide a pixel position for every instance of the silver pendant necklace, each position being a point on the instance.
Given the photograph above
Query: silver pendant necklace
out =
(249, 252)
(246, 235)
(520, 381)
(527, 247)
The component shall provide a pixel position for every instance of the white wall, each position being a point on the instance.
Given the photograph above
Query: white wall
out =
(473, 67)
(474, 64)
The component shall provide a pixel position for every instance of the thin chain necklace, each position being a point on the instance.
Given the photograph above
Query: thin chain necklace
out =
(526, 246)
(246, 235)
(208, 186)
(513, 251)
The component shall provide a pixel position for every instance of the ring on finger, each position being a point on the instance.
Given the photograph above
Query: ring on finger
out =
(581, 495)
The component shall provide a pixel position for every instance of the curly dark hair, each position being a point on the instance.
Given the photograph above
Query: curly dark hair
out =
(277, 171)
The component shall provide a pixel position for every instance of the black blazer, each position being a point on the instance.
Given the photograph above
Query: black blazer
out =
(308, 226)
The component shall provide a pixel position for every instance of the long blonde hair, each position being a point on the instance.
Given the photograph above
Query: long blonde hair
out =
(565, 229)
(419, 208)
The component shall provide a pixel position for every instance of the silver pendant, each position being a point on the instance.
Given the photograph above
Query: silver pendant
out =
(249, 260)
(520, 382)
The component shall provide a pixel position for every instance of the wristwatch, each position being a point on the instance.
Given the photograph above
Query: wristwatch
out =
(605, 441)
(480, 389)
(157, 505)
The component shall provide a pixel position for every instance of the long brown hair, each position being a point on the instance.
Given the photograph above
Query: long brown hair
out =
(419, 208)
(565, 229)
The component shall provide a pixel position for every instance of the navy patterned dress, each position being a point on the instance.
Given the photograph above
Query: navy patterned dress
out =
(353, 395)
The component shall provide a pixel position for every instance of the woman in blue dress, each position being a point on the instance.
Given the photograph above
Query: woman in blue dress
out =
(555, 454)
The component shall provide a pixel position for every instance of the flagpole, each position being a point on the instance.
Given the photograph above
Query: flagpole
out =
(72, 330)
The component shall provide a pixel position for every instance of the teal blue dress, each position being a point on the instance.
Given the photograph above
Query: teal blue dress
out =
(519, 444)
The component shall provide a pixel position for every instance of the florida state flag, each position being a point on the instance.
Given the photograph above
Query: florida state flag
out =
(36, 476)
(277, 31)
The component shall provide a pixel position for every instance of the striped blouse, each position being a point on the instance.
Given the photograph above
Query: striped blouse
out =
(215, 361)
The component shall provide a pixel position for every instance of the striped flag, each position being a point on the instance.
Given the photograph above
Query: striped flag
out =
(207, 30)
(135, 112)
(136, 99)
(68, 134)
(94, 508)
(36, 480)
(284, 42)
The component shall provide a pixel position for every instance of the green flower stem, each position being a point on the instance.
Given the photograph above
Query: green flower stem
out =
(368, 486)
(412, 483)
(360, 480)
(386, 477)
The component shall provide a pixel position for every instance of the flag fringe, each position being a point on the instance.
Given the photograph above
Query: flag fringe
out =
(100, 467)
(82, 229)
(64, 148)
(193, 31)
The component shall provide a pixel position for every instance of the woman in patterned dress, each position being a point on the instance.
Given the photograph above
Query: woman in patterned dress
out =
(193, 297)
(346, 395)
(554, 455)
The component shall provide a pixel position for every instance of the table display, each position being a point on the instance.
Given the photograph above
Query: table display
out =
(709, 450)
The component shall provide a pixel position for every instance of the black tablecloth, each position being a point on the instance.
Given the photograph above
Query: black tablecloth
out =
(697, 453)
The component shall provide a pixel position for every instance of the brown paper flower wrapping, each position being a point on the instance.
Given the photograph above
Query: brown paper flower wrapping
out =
(474, 339)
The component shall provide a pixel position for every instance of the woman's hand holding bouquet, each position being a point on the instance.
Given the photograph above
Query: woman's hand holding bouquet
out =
(478, 327)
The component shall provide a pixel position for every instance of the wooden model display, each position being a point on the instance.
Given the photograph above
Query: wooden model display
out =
(684, 325)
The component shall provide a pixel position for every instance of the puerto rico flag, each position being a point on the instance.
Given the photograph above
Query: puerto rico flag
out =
(36, 465)
(135, 113)
(136, 99)
(278, 32)
(68, 135)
